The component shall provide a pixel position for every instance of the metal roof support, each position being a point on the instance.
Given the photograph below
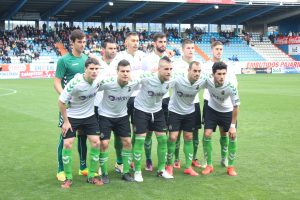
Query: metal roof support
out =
(91, 11)
(56, 9)
(193, 13)
(255, 14)
(220, 15)
(161, 12)
(128, 11)
(13, 10)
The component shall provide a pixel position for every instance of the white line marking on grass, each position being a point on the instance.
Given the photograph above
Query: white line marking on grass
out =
(10, 92)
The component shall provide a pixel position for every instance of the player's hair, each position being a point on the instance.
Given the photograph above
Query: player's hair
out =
(194, 63)
(131, 34)
(164, 59)
(158, 35)
(107, 40)
(216, 43)
(218, 66)
(186, 41)
(122, 63)
(77, 34)
(91, 61)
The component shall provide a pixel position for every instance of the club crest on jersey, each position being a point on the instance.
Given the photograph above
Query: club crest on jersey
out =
(111, 98)
(197, 88)
(150, 93)
(180, 94)
(167, 87)
(223, 92)
(129, 89)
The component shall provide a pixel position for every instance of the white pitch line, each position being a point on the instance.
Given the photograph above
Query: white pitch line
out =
(11, 91)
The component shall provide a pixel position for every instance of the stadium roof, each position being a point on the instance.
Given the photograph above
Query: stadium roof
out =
(148, 11)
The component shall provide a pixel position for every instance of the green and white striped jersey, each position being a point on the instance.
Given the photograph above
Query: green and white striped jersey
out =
(181, 65)
(149, 99)
(183, 94)
(106, 70)
(115, 97)
(220, 96)
(80, 95)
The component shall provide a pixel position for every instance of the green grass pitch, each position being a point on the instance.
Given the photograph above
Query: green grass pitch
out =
(268, 161)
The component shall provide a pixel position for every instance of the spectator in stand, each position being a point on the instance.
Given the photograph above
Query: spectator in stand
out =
(261, 37)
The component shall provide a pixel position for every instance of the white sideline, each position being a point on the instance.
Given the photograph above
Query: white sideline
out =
(11, 91)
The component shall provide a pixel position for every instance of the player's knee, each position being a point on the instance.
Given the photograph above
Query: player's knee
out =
(104, 145)
(233, 138)
(188, 137)
(172, 138)
(68, 144)
(127, 143)
(207, 133)
(95, 143)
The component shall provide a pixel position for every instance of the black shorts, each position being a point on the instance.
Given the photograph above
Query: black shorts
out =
(120, 126)
(198, 115)
(88, 125)
(179, 122)
(96, 111)
(165, 105)
(205, 104)
(214, 118)
(145, 122)
(130, 108)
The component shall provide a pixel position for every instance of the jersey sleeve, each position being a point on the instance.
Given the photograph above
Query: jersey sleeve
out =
(70, 88)
(234, 95)
(60, 69)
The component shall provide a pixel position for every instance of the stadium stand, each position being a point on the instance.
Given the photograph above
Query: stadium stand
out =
(244, 53)
(268, 50)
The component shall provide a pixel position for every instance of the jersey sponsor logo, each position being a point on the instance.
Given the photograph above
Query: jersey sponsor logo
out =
(217, 97)
(74, 64)
(87, 97)
(121, 98)
(181, 94)
(158, 94)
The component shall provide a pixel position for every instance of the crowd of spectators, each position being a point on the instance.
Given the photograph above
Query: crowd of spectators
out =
(16, 41)
(43, 41)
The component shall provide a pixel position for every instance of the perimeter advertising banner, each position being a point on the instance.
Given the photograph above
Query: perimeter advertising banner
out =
(288, 40)
(294, 49)
(16, 71)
